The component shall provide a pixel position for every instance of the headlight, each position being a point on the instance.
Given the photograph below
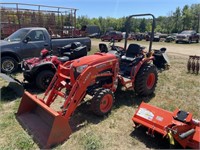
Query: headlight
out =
(81, 68)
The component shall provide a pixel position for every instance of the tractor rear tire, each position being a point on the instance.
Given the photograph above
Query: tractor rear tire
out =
(43, 79)
(102, 101)
(146, 80)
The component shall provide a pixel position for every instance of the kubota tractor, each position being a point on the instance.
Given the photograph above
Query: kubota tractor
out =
(96, 75)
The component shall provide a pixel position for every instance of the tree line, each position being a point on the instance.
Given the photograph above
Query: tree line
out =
(178, 20)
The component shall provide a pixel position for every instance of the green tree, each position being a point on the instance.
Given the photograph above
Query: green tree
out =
(142, 25)
(176, 19)
(186, 17)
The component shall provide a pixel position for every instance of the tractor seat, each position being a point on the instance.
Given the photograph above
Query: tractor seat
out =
(131, 53)
(103, 48)
(63, 59)
(68, 48)
(74, 45)
(77, 53)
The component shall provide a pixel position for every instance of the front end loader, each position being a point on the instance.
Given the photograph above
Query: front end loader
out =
(178, 126)
(95, 75)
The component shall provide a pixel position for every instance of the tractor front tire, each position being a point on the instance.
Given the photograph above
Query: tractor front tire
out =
(102, 101)
(146, 80)
(43, 79)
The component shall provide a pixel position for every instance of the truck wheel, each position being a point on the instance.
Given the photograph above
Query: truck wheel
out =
(44, 78)
(189, 41)
(102, 101)
(8, 64)
(146, 80)
(197, 41)
(177, 42)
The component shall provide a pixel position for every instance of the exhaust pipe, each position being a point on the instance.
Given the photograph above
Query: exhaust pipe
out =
(47, 126)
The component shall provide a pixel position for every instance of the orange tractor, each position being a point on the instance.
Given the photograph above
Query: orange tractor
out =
(96, 75)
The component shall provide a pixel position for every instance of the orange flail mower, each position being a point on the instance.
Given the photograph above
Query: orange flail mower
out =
(178, 126)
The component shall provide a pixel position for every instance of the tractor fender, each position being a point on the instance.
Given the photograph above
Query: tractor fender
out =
(42, 66)
(137, 67)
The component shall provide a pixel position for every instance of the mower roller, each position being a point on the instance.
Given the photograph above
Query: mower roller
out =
(193, 64)
(178, 126)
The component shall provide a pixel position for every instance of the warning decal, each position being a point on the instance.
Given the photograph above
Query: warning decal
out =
(144, 113)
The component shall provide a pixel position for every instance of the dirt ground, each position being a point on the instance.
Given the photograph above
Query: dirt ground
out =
(172, 48)
(175, 89)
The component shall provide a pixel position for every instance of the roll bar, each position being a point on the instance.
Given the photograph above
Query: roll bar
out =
(127, 26)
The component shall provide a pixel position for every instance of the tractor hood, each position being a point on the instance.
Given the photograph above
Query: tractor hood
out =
(93, 59)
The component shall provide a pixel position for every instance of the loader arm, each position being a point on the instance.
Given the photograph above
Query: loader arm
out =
(78, 92)
(64, 79)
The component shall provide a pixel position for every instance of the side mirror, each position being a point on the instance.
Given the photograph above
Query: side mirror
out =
(27, 39)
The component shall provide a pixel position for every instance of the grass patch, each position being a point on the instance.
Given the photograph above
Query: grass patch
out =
(12, 135)
(90, 141)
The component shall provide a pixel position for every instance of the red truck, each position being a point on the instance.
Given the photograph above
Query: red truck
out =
(115, 35)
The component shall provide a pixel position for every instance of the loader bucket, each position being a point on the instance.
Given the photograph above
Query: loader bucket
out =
(14, 84)
(47, 126)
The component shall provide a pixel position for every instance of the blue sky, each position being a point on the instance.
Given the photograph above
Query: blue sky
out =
(115, 8)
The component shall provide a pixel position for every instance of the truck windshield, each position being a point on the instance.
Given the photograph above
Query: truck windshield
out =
(17, 36)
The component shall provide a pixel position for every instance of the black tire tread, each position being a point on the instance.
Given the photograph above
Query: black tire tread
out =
(39, 78)
(141, 78)
(96, 100)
